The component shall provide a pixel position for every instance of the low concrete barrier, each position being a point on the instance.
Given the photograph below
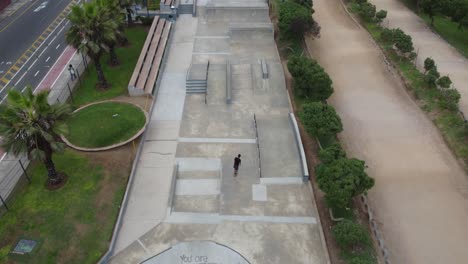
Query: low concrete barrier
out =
(297, 135)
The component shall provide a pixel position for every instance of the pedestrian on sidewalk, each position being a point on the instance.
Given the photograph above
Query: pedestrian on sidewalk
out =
(72, 72)
(237, 162)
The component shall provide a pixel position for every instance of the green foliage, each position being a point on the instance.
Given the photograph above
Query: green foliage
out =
(386, 35)
(430, 7)
(349, 234)
(450, 99)
(320, 119)
(119, 76)
(362, 259)
(73, 223)
(92, 30)
(29, 124)
(332, 153)
(403, 42)
(381, 15)
(153, 4)
(444, 82)
(429, 64)
(310, 79)
(147, 21)
(305, 3)
(431, 77)
(341, 180)
(367, 11)
(295, 21)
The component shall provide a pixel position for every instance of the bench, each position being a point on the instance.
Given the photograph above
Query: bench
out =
(148, 65)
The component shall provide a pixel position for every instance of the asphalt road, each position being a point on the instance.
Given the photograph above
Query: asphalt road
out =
(31, 40)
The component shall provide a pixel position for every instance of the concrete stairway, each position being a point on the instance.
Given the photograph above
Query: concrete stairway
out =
(196, 190)
(197, 79)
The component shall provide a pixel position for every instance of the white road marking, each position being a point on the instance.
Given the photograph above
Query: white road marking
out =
(48, 58)
(8, 63)
(24, 89)
(34, 62)
(52, 40)
(2, 62)
(22, 76)
(36, 74)
(41, 6)
(58, 46)
(43, 51)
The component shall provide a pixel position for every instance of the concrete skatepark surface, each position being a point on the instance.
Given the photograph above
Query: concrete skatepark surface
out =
(268, 220)
(420, 196)
(428, 44)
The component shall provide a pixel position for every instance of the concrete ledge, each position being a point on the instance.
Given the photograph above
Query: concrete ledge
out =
(297, 135)
(228, 83)
(114, 145)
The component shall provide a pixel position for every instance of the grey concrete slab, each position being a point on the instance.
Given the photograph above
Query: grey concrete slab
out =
(197, 187)
(211, 45)
(198, 174)
(278, 150)
(196, 203)
(163, 130)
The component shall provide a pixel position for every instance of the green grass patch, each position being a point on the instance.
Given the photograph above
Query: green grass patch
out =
(105, 124)
(73, 224)
(451, 124)
(117, 76)
(450, 31)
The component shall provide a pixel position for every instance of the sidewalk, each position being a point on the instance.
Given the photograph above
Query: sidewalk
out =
(428, 44)
(150, 191)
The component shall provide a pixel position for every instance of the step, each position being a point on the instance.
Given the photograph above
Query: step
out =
(198, 175)
(196, 82)
(195, 91)
(196, 204)
(195, 86)
(197, 187)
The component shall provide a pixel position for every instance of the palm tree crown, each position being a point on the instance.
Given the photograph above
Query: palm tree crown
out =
(92, 29)
(28, 123)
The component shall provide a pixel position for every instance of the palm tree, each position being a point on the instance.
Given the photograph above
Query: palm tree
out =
(114, 11)
(91, 31)
(28, 123)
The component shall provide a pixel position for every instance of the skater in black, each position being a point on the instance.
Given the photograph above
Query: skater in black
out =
(237, 162)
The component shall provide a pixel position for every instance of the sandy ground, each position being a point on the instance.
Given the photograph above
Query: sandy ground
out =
(421, 192)
(428, 44)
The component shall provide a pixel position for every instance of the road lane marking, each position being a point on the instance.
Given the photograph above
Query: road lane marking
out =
(48, 58)
(16, 84)
(11, 22)
(24, 89)
(58, 46)
(36, 74)
(37, 44)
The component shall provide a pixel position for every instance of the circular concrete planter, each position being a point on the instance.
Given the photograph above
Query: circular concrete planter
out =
(114, 145)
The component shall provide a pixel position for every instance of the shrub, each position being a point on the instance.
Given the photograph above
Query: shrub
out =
(431, 77)
(320, 119)
(387, 35)
(403, 42)
(367, 11)
(349, 234)
(362, 259)
(381, 15)
(310, 79)
(305, 3)
(429, 64)
(450, 99)
(341, 180)
(444, 82)
(295, 20)
(332, 153)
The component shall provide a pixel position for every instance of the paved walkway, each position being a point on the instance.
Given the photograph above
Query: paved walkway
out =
(271, 220)
(428, 44)
(421, 193)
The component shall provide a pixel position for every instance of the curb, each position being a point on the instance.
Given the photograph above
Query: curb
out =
(114, 145)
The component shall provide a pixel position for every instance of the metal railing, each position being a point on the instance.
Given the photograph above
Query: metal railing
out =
(258, 147)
